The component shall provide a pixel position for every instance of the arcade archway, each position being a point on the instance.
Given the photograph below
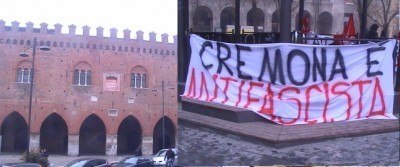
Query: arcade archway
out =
(164, 139)
(129, 136)
(14, 132)
(54, 135)
(92, 136)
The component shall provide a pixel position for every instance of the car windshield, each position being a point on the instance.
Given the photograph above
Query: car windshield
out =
(161, 153)
(76, 163)
(131, 160)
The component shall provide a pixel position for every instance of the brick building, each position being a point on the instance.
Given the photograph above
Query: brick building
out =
(91, 94)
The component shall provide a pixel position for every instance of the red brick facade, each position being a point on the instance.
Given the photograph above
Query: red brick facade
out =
(55, 92)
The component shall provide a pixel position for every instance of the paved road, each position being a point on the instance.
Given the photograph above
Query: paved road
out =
(203, 146)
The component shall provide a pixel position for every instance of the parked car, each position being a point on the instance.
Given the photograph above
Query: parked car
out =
(158, 159)
(20, 165)
(134, 162)
(88, 162)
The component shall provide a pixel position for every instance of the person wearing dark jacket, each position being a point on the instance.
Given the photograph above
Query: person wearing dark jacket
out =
(373, 31)
(138, 151)
(170, 157)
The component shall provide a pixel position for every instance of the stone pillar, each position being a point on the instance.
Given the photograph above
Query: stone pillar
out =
(147, 145)
(34, 142)
(111, 145)
(73, 145)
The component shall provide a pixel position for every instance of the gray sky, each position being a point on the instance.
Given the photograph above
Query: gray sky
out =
(159, 16)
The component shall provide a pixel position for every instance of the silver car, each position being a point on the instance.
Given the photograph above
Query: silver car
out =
(158, 159)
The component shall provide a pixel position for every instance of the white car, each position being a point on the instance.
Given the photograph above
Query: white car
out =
(158, 159)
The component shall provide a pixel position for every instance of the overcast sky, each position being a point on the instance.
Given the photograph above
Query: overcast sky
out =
(159, 16)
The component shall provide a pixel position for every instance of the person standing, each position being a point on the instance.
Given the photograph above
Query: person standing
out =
(138, 151)
(373, 31)
(170, 157)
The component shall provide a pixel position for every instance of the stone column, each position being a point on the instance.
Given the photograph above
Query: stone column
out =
(73, 145)
(111, 144)
(34, 143)
(147, 146)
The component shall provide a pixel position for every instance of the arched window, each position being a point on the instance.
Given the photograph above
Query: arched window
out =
(76, 77)
(55, 44)
(275, 21)
(113, 48)
(126, 49)
(227, 17)
(255, 17)
(138, 80)
(202, 19)
(107, 47)
(82, 77)
(325, 22)
(61, 44)
(119, 48)
(305, 14)
(15, 41)
(88, 46)
(89, 77)
(81, 45)
(19, 75)
(132, 49)
(101, 46)
(21, 42)
(143, 80)
(23, 75)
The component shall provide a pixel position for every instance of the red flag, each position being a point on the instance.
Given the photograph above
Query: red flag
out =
(350, 26)
(305, 23)
(349, 30)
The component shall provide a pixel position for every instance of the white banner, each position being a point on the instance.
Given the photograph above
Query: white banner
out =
(293, 83)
